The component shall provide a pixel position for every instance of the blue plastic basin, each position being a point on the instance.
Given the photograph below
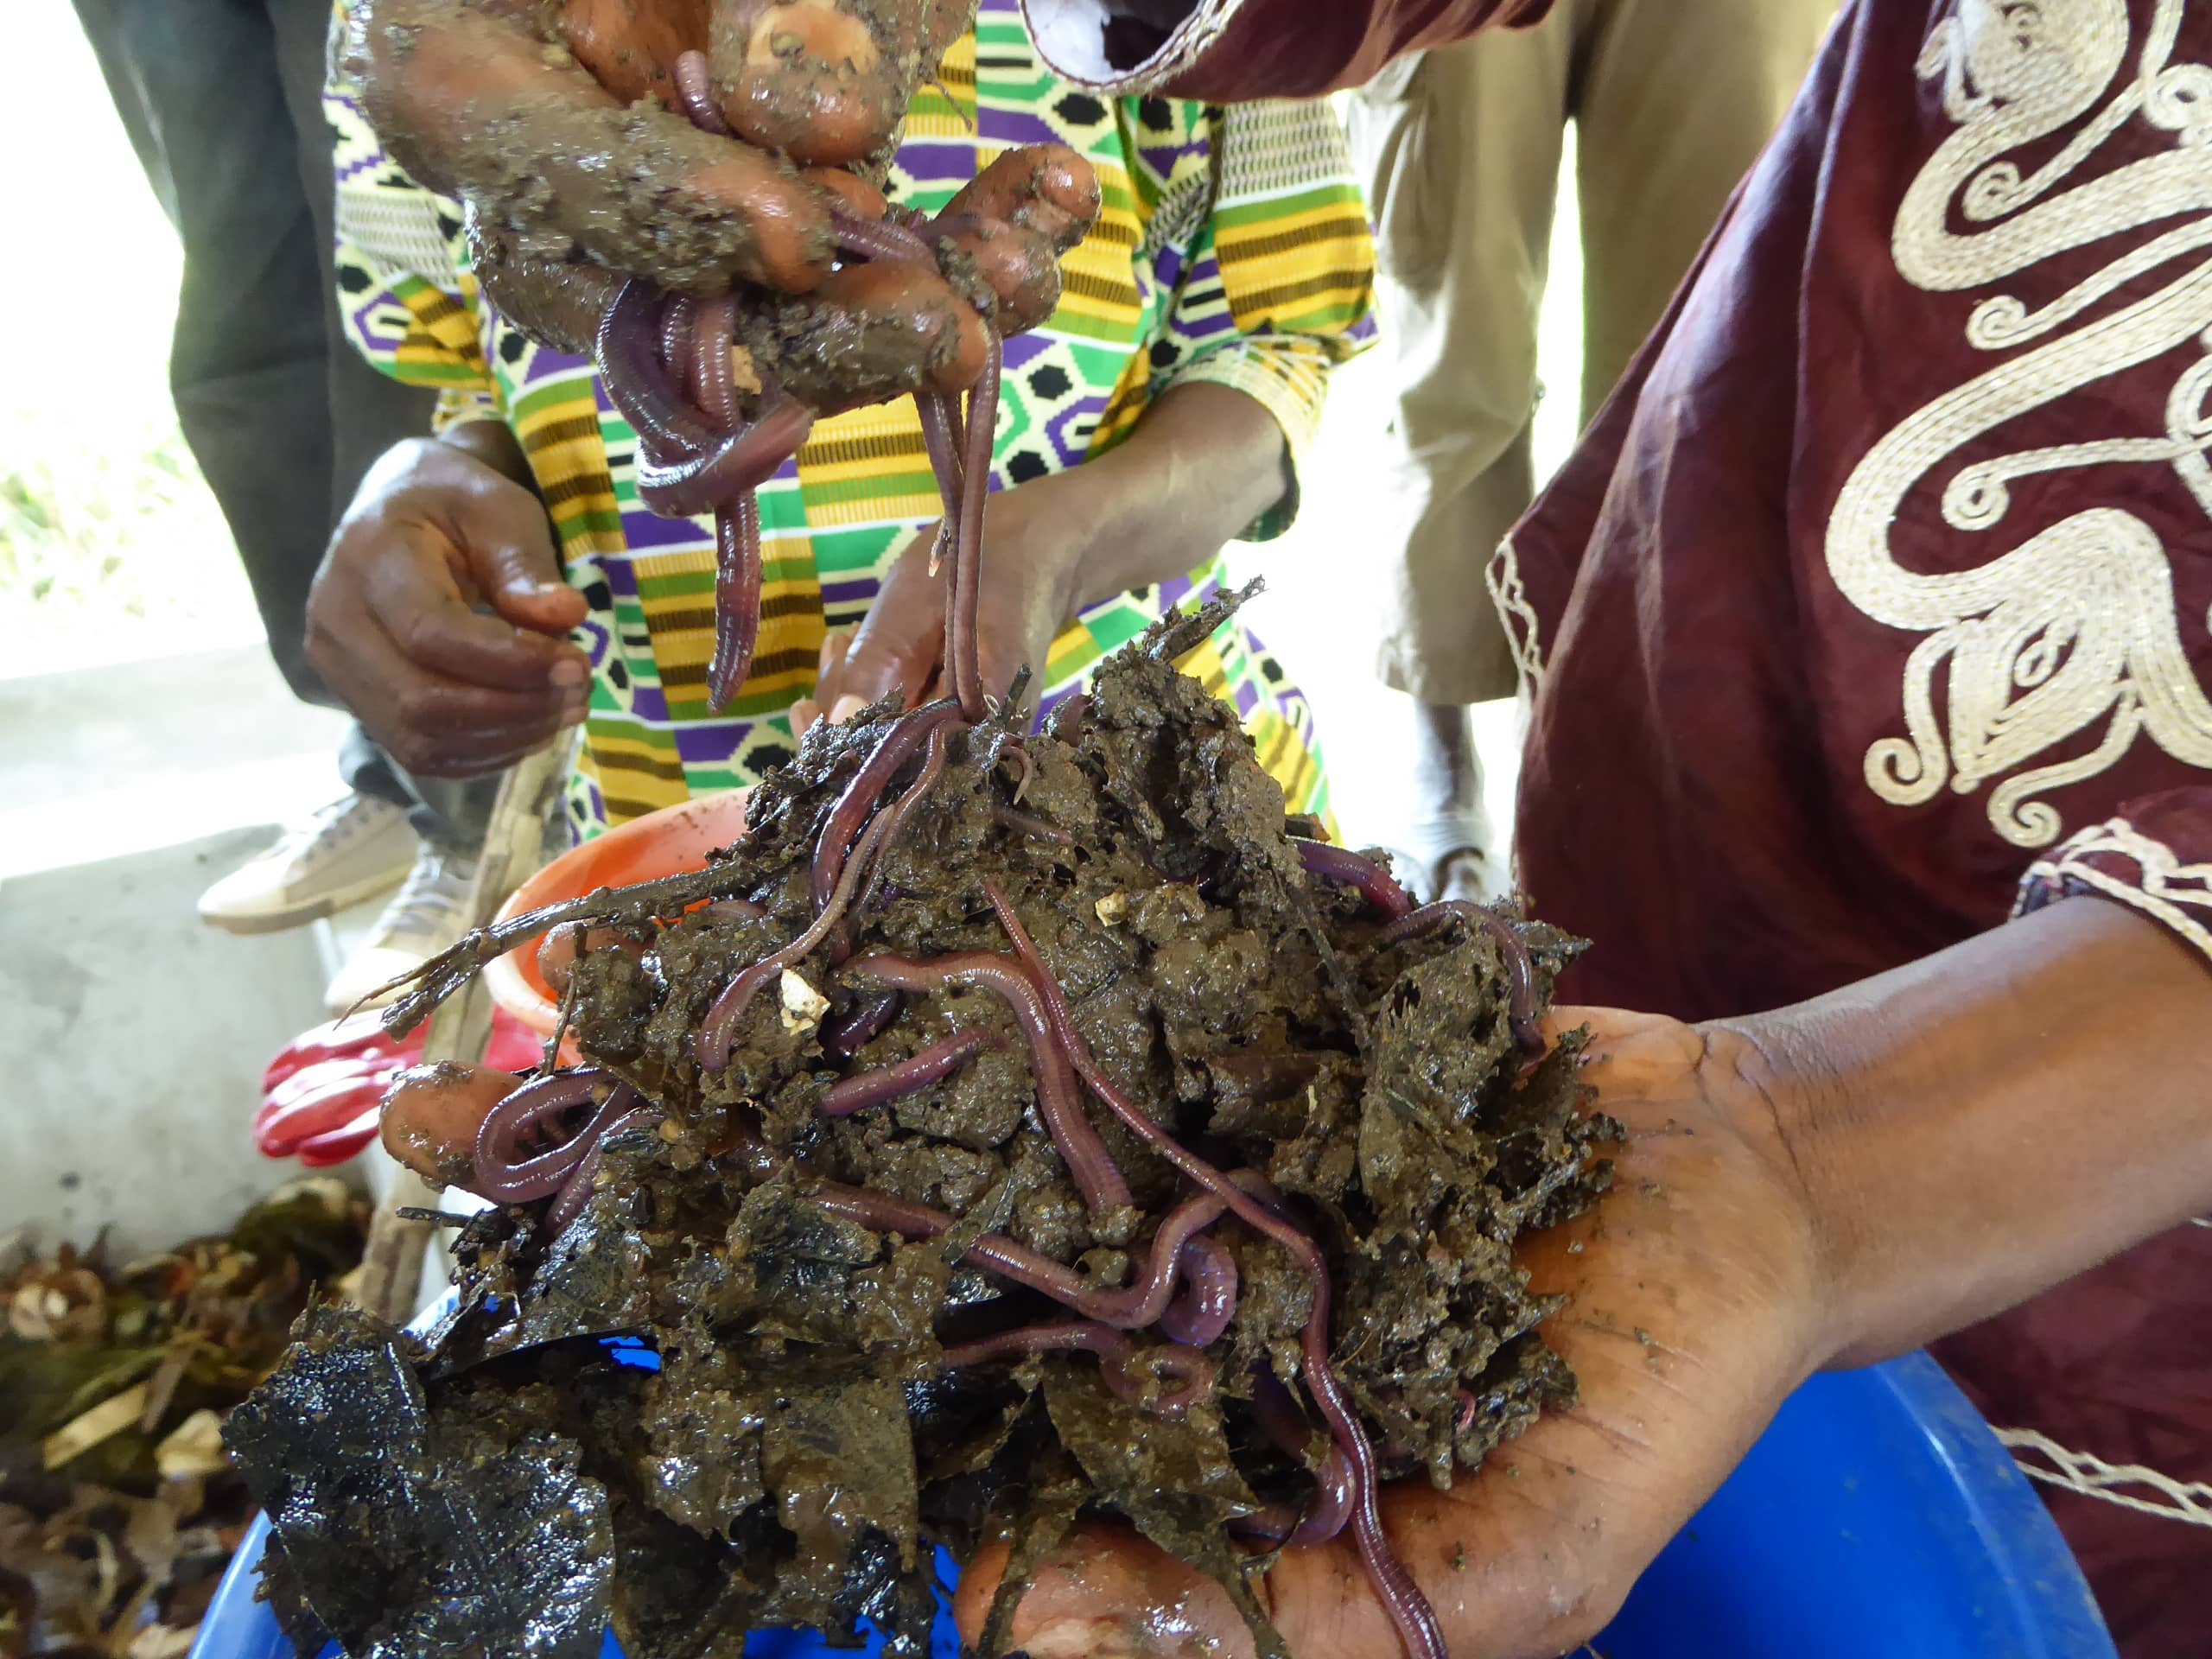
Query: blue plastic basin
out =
(1878, 1518)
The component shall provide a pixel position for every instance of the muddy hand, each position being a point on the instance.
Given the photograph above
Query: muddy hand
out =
(1694, 1310)
(562, 123)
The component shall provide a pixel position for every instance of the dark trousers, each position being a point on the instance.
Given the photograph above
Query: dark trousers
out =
(223, 101)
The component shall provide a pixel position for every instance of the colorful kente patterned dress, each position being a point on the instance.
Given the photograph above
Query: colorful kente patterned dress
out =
(1233, 248)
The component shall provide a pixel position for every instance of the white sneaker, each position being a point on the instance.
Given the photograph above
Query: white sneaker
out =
(425, 916)
(348, 851)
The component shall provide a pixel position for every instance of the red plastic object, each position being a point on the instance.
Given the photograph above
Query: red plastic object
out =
(320, 1093)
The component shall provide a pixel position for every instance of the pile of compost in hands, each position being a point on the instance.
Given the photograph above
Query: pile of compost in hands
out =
(996, 1207)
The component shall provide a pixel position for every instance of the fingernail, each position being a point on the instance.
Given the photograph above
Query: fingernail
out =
(568, 671)
(822, 663)
(846, 707)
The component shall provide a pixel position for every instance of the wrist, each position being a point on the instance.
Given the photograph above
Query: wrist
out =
(1054, 521)
(1791, 1105)
(494, 445)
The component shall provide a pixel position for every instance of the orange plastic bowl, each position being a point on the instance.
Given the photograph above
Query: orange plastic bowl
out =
(666, 843)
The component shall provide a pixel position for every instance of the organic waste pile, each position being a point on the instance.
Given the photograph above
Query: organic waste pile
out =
(1013, 1127)
(119, 1511)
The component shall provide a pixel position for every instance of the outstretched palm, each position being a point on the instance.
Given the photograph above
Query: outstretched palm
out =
(1691, 1314)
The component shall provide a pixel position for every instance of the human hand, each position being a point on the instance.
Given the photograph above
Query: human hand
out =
(1033, 549)
(582, 166)
(1695, 1307)
(395, 629)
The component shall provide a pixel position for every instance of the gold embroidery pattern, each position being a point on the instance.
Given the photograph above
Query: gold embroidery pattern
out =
(1502, 575)
(2177, 894)
(2076, 628)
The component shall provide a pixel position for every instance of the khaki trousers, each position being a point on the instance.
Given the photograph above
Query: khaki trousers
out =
(1460, 150)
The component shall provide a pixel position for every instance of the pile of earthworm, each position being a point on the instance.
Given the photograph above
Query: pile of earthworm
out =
(666, 360)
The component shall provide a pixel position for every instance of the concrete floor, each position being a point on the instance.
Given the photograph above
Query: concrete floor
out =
(131, 1036)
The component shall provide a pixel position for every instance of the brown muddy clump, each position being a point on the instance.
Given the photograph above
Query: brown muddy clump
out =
(513, 1480)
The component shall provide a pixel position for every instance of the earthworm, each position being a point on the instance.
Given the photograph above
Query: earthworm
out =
(677, 324)
(1130, 1308)
(1206, 1303)
(1035, 829)
(697, 91)
(719, 1028)
(960, 645)
(1004, 747)
(1091, 1166)
(640, 389)
(714, 382)
(883, 239)
(850, 814)
(1375, 883)
(933, 1064)
(737, 598)
(504, 1173)
(576, 1191)
(1323, 1517)
(945, 437)
(933, 759)
(1512, 949)
(845, 1034)
(1464, 1419)
(1393, 1587)
(1119, 1360)
(675, 484)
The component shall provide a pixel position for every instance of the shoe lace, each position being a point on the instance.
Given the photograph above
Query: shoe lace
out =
(435, 888)
(335, 821)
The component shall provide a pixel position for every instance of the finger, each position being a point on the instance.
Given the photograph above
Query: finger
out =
(1106, 1591)
(900, 641)
(556, 302)
(631, 49)
(804, 713)
(432, 1113)
(506, 543)
(854, 193)
(413, 598)
(430, 724)
(1047, 189)
(458, 95)
(869, 334)
(1006, 273)
(820, 82)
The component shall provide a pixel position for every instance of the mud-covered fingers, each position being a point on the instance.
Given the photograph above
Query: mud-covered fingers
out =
(556, 302)
(869, 334)
(476, 105)
(1047, 189)
(1010, 274)
(825, 81)
(431, 1115)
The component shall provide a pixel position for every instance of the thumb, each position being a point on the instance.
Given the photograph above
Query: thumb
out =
(898, 644)
(507, 541)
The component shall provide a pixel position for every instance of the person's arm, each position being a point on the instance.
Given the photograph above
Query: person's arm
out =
(1233, 51)
(1202, 464)
(1820, 1187)
(1979, 1125)
(1205, 454)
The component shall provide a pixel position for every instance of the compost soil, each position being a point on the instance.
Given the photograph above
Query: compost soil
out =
(512, 1481)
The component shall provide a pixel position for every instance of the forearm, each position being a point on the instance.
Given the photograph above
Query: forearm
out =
(1978, 1126)
(1204, 462)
